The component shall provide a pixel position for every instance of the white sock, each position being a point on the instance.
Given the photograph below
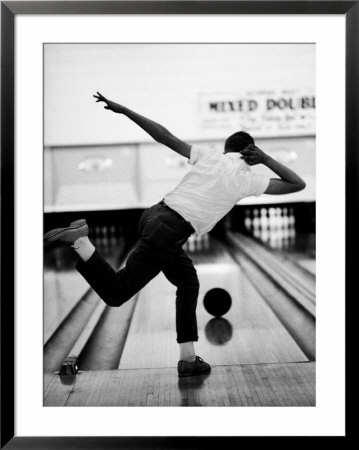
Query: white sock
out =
(84, 248)
(187, 352)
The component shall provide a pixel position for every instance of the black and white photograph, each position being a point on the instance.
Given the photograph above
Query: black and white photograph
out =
(179, 212)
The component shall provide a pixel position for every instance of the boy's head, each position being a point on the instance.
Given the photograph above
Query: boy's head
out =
(238, 142)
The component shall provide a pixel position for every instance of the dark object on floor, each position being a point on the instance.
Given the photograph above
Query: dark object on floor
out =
(217, 302)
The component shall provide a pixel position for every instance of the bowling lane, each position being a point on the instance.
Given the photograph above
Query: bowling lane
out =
(249, 333)
(63, 287)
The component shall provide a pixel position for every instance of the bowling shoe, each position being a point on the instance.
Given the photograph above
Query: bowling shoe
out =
(188, 369)
(68, 235)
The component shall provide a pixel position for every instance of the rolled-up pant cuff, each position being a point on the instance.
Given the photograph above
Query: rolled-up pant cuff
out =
(187, 339)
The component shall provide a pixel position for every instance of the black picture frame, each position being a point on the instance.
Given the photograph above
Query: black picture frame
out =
(9, 10)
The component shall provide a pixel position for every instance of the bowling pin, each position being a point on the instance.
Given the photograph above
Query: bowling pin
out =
(264, 218)
(279, 219)
(274, 227)
(291, 217)
(291, 227)
(272, 220)
(271, 225)
(264, 225)
(256, 223)
(285, 233)
(247, 220)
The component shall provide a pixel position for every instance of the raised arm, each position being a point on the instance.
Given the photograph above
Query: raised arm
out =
(155, 130)
(288, 182)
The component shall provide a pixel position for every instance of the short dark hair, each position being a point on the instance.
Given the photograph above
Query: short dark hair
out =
(238, 141)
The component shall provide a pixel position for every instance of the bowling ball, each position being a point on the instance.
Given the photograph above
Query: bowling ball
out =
(217, 302)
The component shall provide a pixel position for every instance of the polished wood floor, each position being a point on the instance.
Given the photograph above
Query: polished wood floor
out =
(280, 384)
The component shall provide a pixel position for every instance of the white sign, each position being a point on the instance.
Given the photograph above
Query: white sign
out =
(263, 113)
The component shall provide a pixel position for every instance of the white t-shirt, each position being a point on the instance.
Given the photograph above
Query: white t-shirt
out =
(212, 187)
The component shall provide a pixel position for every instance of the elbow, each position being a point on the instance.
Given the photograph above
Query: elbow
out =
(163, 138)
(301, 186)
(159, 138)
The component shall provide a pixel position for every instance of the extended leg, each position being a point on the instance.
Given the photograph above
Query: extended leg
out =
(157, 247)
(115, 288)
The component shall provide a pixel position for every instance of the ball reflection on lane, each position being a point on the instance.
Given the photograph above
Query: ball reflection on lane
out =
(218, 331)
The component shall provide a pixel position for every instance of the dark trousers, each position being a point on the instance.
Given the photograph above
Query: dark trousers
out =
(162, 234)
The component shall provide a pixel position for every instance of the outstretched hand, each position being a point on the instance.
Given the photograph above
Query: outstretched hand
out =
(253, 155)
(112, 106)
(100, 98)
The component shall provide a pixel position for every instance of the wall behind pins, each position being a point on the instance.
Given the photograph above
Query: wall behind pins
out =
(128, 176)
(96, 160)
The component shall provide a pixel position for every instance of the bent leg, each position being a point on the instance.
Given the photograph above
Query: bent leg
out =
(181, 272)
(115, 288)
